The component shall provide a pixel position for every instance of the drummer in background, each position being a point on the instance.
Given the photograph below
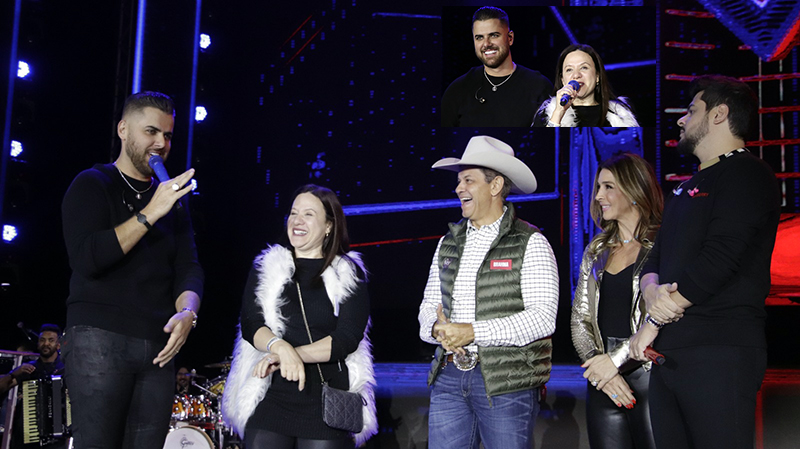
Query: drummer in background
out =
(183, 382)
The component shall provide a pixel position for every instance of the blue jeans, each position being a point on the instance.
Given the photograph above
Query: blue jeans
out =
(119, 398)
(462, 415)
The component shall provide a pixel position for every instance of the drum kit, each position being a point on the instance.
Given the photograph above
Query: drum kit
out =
(197, 420)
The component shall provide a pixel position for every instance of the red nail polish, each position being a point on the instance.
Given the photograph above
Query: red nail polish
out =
(619, 405)
(634, 401)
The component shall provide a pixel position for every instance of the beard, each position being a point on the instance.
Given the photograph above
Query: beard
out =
(139, 158)
(502, 55)
(688, 143)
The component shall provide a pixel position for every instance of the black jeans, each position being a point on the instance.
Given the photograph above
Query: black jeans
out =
(119, 398)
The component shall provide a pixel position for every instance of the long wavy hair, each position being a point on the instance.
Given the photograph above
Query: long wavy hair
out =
(337, 243)
(602, 93)
(636, 180)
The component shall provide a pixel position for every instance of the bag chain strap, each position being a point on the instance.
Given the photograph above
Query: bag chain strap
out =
(303, 309)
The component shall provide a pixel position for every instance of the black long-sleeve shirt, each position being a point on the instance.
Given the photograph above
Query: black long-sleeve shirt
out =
(716, 242)
(514, 103)
(131, 294)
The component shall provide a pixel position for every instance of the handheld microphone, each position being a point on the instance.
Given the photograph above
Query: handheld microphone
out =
(565, 98)
(156, 162)
(654, 356)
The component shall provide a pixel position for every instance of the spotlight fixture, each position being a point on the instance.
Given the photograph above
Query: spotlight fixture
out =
(205, 41)
(9, 233)
(200, 113)
(16, 148)
(23, 69)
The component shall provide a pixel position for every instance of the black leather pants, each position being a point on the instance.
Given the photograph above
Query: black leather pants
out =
(612, 427)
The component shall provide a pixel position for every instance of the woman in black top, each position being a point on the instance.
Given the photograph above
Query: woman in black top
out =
(272, 396)
(593, 103)
(608, 307)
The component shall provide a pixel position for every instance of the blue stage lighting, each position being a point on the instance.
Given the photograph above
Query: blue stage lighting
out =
(200, 113)
(16, 148)
(194, 184)
(23, 69)
(9, 233)
(205, 41)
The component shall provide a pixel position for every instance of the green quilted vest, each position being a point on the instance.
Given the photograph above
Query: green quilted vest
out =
(505, 369)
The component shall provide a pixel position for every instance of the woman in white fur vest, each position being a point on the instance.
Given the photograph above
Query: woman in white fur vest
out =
(583, 95)
(273, 392)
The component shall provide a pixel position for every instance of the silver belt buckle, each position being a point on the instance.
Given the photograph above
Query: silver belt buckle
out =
(467, 361)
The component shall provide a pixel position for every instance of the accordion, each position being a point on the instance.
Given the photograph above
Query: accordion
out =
(45, 410)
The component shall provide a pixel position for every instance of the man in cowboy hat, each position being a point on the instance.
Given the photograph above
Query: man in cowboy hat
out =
(490, 304)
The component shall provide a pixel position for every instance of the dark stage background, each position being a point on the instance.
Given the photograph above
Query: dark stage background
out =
(341, 94)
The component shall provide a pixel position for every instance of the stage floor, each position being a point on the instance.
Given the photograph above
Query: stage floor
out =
(402, 401)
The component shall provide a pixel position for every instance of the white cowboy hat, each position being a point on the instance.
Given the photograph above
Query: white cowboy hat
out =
(485, 151)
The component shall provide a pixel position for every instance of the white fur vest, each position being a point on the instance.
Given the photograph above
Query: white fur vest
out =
(243, 392)
(618, 115)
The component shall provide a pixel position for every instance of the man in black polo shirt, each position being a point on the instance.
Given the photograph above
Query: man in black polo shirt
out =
(499, 92)
(707, 277)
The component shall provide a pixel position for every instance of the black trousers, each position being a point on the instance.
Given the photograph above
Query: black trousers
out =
(264, 439)
(119, 398)
(705, 397)
(612, 427)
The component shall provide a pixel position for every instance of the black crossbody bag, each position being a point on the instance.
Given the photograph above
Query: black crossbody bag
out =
(341, 409)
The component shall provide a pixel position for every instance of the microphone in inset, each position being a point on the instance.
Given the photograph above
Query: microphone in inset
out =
(157, 164)
(565, 98)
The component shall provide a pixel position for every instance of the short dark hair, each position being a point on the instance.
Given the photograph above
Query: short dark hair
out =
(338, 242)
(148, 99)
(489, 13)
(490, 174)
(50, 328)
(742, 102)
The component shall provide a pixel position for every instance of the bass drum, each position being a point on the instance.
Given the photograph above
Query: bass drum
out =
(188, 437)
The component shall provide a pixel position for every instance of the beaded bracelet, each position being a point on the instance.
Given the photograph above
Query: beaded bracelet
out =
(194, 316)
(653, 321)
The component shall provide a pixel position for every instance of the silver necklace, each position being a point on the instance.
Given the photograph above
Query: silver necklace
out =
(138, 192)
(495, 86)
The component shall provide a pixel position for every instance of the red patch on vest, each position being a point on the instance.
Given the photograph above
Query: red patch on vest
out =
(501, 264)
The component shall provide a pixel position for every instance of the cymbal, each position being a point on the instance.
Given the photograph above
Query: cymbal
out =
(225, 365)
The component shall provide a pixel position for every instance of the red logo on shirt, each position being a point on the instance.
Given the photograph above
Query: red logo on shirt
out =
(501, 264)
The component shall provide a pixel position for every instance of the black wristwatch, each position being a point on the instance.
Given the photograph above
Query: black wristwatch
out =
(141, 218)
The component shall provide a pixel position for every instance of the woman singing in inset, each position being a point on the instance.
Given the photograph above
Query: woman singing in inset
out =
(608, 306)
(592, 102)
(273, 392)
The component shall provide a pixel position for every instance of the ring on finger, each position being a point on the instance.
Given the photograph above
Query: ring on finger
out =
(614, 396)
(176, 187)
(594, 383)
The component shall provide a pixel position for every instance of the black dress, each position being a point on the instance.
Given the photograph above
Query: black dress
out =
(284, 409)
